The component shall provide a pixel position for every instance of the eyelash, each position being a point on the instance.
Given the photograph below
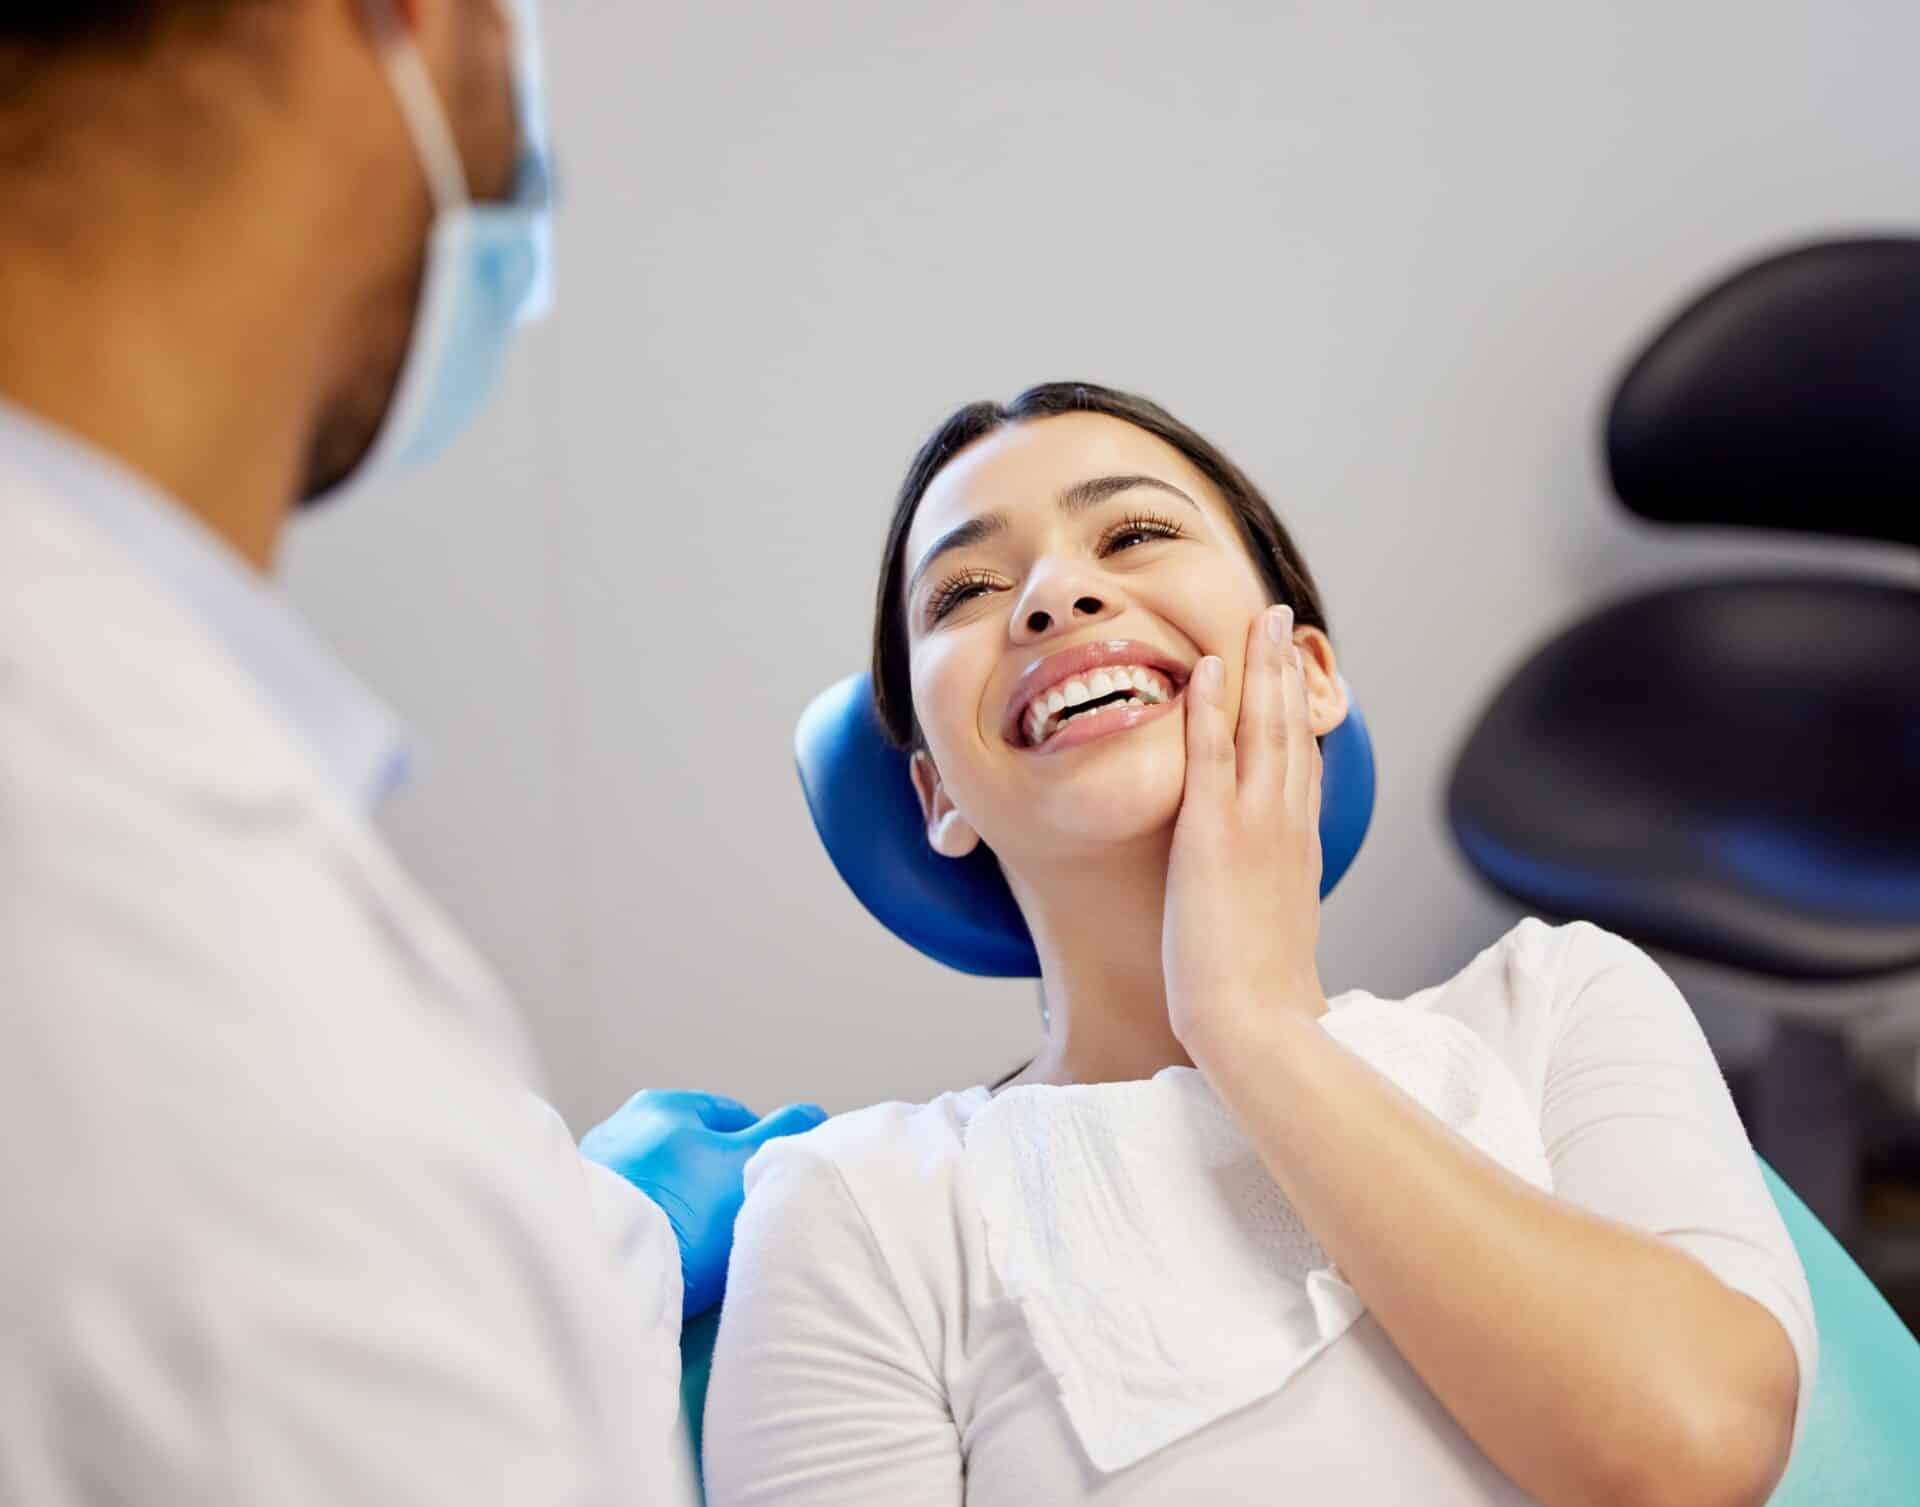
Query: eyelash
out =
(1151, 524)
(953, 591)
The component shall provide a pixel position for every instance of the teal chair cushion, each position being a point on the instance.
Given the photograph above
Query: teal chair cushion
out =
(696, 1366)
(1860, 1443)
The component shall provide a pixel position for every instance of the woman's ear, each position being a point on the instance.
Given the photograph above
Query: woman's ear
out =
(947, 831)
(1327, 701)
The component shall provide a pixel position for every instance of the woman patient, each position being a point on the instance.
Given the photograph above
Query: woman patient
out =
(1225, 1239)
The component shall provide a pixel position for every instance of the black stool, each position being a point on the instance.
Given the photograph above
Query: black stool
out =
(1728, 772)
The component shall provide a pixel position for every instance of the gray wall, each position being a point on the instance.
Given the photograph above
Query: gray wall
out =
(1389, 254)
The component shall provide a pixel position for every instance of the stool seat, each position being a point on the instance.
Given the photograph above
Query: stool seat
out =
(1729, 770)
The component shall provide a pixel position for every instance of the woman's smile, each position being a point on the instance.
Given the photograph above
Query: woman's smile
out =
(1091, 690)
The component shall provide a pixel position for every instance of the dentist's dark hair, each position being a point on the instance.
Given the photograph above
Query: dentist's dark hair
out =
(57, 25)
(1268, 543)
(120, 72)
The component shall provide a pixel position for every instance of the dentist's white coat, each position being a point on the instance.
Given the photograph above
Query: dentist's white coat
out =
(283, 1220)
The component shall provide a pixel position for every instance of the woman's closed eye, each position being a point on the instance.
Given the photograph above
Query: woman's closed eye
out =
(963, 587)
(1130, 533)
(1137, 529)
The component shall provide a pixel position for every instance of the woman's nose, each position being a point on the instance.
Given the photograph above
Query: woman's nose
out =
(1056, 603)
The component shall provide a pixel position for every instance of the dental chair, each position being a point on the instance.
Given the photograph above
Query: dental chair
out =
(1859, 1444)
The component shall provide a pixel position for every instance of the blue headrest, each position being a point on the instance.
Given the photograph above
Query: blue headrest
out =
(959, 910)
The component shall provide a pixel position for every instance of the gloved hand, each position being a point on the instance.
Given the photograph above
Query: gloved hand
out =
(687, 1151)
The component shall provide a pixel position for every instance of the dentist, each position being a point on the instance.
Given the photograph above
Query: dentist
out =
(283, 1219)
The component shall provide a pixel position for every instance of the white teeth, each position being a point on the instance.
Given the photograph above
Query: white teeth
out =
(1144, 687)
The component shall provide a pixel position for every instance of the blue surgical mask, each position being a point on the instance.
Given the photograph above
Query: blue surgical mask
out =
(488, 266)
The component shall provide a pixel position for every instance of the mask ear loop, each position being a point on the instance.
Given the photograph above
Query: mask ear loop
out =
(420, 104)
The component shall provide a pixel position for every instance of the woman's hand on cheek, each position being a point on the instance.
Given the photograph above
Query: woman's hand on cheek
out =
(1243, 883)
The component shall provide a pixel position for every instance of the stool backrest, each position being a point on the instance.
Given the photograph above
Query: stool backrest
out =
(1787, 396)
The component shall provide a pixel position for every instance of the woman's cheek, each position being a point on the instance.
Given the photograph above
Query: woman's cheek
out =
(947, 691)
(939, 692)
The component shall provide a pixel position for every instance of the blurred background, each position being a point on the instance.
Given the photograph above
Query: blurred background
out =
(1393, 258)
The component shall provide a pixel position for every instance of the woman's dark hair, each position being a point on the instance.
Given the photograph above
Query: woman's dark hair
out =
(1268, 543)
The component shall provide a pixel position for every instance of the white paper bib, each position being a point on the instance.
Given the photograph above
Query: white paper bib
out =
(1163, 1276)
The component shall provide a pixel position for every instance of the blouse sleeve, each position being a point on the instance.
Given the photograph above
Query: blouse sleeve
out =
(1640, 1127)
(822, 1392)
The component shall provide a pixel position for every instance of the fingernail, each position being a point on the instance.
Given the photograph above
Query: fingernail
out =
(1279, 624)
(1207, 676)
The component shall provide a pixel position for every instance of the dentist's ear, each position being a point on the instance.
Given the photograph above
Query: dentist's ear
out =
(947, 831)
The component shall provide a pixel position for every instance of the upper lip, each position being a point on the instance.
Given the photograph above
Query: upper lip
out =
(1080, 659)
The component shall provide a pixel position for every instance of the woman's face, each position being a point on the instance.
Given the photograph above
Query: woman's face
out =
(1073, 559)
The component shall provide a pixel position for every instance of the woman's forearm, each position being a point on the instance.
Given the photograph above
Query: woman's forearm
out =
(1592, 1362)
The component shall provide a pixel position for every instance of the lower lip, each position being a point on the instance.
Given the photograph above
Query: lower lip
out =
(1103, 724)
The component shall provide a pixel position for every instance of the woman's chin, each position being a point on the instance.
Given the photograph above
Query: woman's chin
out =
(1097, 811)
(1074, 806)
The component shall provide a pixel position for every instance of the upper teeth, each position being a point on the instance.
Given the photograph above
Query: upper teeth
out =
(1045, 712)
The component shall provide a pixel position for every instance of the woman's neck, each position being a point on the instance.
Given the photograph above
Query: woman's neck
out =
(1097, 926)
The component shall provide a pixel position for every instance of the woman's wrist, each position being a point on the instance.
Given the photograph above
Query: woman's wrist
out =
(1248, 1033)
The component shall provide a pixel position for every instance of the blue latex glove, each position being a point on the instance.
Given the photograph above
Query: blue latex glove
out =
(686, 1152)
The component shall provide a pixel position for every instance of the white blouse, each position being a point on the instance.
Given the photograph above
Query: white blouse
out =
(871, 1351)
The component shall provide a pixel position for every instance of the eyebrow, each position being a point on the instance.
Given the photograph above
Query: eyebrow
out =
(1086, 494)
(1076, 499)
